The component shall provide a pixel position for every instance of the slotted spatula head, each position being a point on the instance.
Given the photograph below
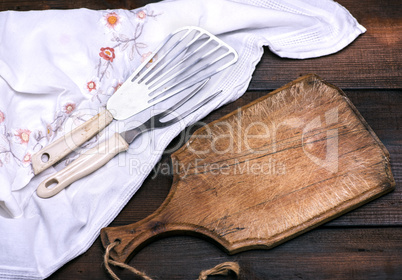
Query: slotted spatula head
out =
(187, 57)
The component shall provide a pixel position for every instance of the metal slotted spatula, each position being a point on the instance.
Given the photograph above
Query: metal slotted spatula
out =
(98, 156)
(186, 58)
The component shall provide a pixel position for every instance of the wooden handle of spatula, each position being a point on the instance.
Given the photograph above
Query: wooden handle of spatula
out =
(84, 165)
(60, 148)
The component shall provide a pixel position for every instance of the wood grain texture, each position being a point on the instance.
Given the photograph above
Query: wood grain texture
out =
(323, 253)
(267, 172)
(371, 61)
(362, 244)
(381, 110)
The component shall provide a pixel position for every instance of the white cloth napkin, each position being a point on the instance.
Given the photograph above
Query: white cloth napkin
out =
(58, 68)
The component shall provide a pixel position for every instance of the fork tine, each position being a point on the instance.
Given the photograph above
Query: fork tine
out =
(158, 118)
(189, 111)
(155, 120)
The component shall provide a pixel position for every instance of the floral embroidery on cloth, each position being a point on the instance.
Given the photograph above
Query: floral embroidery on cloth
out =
(2, 117)
(23, 135)
(55, 126)
(120, 44)
(20, 136)
(91, 85)
(123, 44)
(112, 20)
(107, 54)
(69, 108)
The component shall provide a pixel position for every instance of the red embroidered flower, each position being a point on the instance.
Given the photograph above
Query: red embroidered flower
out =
(141, 15)
(107, 54)
(27, 158)
(2, 117)
(69, 108)
(112, 20)
(23, 135)
(91, 86)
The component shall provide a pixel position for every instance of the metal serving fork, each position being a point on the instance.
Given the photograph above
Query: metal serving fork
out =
(98, 156)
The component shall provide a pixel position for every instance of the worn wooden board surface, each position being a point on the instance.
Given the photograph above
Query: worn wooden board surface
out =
(363, 244)
(279, 166)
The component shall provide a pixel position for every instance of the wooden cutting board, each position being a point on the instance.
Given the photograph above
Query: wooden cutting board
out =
(275, 168)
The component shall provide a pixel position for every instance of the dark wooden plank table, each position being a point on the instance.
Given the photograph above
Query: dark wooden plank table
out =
(363, 244)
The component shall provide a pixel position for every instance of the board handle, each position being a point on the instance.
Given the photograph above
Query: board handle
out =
(84, 165)
(166, 221)
(134, 236)
(64, 145)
